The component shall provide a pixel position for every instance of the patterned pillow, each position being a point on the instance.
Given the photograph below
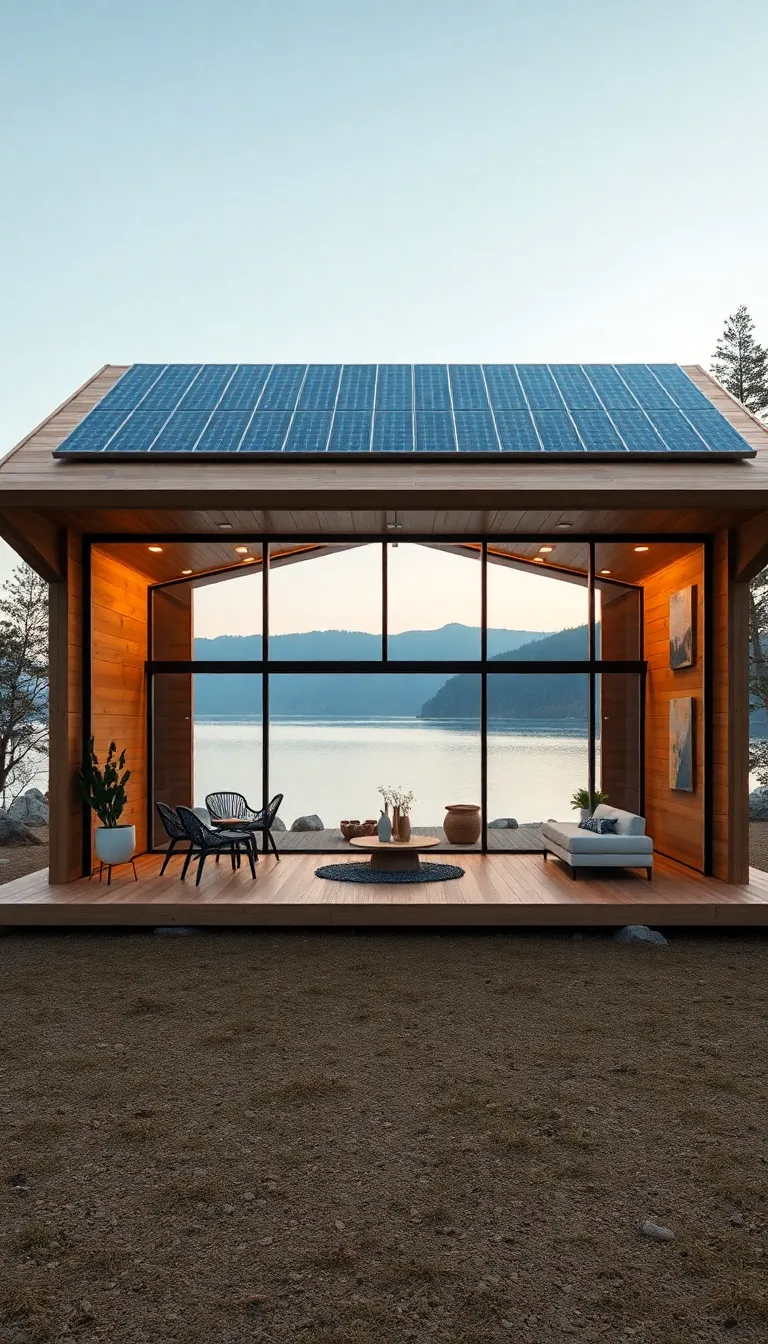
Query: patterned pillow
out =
(600, 825)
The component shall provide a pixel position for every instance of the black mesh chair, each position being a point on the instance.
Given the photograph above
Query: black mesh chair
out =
(234, 805)
(204, 841)
(173, 829)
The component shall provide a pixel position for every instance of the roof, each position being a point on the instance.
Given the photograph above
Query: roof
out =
(238, 411)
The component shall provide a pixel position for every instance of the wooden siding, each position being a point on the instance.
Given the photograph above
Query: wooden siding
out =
(675, 819)
(730, 714)
(173, 727)
(619, 705)
(118, 678)
(66, 719)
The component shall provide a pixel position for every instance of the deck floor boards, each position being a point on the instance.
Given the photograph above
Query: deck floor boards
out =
(497, 889)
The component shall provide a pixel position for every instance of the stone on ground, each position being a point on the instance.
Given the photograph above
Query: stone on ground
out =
(503, 824)
(30, 808)
(758, 804)
(15, 833)
(656, 1232)
(279, 825)
(311, 823)
(640, 933)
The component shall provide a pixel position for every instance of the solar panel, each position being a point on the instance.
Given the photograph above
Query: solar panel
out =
(540, 387)
(468, 387)
(393, 432)
(434, 432)
(351, 432)
(476, 432)
(357, 388)
(431, 387)
(394, 389)
(600, 410)
(504, 387)
(557, 432)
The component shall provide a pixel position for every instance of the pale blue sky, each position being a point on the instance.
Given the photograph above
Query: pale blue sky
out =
(415, 179)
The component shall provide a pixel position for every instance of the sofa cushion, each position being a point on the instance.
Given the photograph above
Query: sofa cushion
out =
(600, 825)
(626, 822)
(569, 836)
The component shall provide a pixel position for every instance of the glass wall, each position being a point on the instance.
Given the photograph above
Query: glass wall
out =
(499, 733)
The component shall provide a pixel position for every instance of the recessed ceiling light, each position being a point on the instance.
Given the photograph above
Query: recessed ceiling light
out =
(565, 523)
(225, 526)
(546, 549)
(186, 571)
(241, 550)
(642, 548)
(537, 560)
(605, 571)
(248, 559)
(156, 550)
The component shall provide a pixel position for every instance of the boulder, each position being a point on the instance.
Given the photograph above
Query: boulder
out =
(311, 823)
(503, 824)
(14, 833)
(640, 933)
(279, 825)
(758, 804)
(30, 808)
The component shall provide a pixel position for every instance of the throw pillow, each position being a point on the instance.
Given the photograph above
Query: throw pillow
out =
(600, 825)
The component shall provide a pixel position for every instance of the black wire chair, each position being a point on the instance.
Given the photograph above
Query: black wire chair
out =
(235, 805)
(173, 829)
(204, 841)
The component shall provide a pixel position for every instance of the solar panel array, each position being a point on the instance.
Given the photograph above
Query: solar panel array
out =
(565, 410)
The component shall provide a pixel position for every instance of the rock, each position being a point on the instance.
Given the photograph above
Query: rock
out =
(279, 825)
(737, 1220)
(227, 1208)
(758, 804)
(15, 833)
(640, 933)
(249, 1196)
(311, 823)
(503, 824)
(656, 1233)
(30, 808)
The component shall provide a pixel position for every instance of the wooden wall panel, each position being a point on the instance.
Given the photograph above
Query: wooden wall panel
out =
(172, 712)
(619, 706)
(66, 721)
(674, 819)
(730, 715)
(118, 677)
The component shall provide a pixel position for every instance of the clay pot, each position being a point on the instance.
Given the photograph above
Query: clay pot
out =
(404, 828)
(462, 823)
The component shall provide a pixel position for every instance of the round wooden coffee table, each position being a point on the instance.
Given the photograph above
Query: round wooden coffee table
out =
(396, 856)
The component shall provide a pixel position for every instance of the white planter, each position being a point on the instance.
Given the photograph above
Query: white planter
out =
(584, 813)
(115, 844)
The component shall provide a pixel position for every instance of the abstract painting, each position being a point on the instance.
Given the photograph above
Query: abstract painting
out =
(681, 652)
(681, 744)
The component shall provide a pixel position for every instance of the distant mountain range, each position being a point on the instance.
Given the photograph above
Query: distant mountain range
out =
(341, 695)
(548, 695)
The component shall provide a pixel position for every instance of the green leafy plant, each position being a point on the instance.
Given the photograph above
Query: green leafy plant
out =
(103, 790)
(581, 800)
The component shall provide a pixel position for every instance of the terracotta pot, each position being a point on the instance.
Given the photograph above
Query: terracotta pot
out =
(404, 829)
(462, 823)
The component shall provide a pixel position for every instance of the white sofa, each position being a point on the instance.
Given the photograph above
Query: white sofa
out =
(627, 847)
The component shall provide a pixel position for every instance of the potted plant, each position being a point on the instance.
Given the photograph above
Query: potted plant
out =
(403, 803)
(584, 805)
(103, 790)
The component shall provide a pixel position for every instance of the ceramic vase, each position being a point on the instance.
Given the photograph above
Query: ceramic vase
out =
(462, 823)
(404, 828)
(115, 844)
(395, 823)
(384, 829)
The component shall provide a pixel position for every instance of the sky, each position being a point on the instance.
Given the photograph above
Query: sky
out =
(570, 180)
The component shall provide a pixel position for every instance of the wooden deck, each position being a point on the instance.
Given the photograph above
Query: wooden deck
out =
(496, 890)
(523, 840)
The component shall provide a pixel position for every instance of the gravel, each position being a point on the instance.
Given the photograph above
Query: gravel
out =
(442, 1135)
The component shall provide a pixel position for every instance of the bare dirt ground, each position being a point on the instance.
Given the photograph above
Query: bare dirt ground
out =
(344, 1139)
(758, 844)
(18, 860)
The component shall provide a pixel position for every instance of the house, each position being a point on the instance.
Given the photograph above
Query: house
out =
(645, 485)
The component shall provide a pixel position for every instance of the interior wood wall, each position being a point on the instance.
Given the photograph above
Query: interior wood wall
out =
(620, 703)
(674, 818)
(173, 729)
(118, 677)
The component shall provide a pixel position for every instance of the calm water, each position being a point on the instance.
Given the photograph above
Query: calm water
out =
(333, 766)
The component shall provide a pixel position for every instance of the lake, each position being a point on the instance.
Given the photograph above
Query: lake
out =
(333, 766)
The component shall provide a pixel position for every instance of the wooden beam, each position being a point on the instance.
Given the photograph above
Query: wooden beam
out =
(39, 543)
(752, 548)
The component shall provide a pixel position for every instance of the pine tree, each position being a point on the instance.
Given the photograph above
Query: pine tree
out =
(741, 364)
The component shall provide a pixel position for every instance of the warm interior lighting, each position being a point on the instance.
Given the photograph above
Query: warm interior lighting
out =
(156, 550)
(186, 571)
(241, 550)
(605, 571)
(642, 548)
(546, 549)
(537, 560)
(225, 526)
(249, 559)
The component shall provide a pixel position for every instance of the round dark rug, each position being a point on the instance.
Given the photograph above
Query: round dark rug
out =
(363, 872)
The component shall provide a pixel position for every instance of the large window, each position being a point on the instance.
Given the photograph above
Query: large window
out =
(504, 674)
